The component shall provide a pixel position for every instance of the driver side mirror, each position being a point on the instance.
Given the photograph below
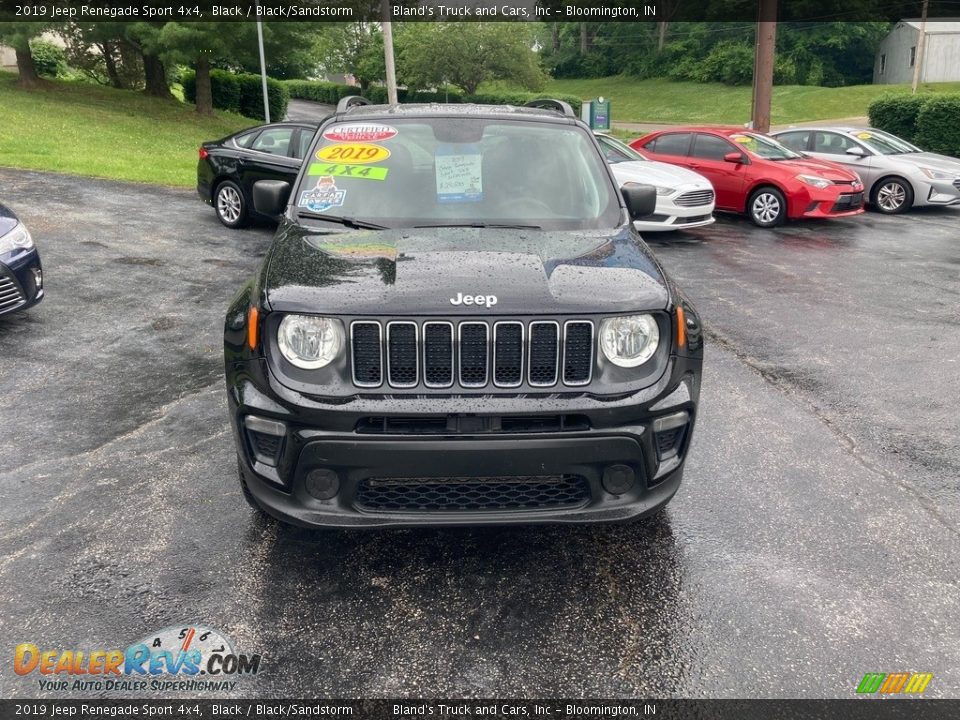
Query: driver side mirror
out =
(270, 197)
(641, 199)
(733, 157)
(856, 151)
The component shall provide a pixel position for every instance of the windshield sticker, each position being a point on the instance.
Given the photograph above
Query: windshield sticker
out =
(864, 135)
(323, 197)
(459, 173)
(353, 153)
(743, 139)
(360, 132)
(366, 172)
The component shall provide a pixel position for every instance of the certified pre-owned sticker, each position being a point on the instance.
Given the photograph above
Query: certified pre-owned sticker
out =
(360, 132)
(364, 172)
(353, 153)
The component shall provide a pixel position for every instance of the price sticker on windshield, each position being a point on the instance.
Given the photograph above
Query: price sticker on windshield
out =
(864, 135)
(353, 153)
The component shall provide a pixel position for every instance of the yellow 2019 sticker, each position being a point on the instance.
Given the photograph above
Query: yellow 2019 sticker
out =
(864, 135)
(353, 153)
(365, 172)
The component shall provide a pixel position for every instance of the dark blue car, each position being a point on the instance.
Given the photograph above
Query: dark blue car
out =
(21, 275)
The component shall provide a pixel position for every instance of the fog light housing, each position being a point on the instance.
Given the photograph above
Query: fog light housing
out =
(618, 479)
(266, 439)
(321, 483)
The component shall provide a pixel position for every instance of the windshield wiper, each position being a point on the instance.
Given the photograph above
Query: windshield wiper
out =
(345, 221)
(508, 226)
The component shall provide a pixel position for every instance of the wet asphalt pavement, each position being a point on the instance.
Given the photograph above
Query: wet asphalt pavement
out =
(815, 537)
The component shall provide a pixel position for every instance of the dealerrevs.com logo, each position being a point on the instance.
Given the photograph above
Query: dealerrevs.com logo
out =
(184, 657)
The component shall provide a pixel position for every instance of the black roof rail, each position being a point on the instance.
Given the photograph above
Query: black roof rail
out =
(351, 101)
(550, 104)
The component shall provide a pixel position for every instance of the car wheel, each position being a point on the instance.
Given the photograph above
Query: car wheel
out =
(892, 195)
(230, 205)
(767, 207)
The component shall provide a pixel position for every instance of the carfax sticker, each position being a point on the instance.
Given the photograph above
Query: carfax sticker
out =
(324, 196)
(366, 172)
(459, 173)
(353, 153)
(360, 132)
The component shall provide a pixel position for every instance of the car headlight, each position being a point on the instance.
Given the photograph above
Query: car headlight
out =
(936, 174)
(817, 182)
(629, 341)
(659, 188)
(308, 341)
(17, 239)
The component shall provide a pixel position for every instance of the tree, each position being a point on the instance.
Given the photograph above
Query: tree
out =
(355, 48)
(18, 35)
(198, 44)
(467, 54)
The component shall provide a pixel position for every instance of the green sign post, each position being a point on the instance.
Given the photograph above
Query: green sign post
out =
(600, 114)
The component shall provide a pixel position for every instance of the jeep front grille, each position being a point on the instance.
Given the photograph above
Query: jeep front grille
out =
(471, 353)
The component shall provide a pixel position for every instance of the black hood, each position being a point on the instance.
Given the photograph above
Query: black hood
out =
(418, 271)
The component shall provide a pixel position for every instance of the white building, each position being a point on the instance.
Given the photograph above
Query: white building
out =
(897, 54)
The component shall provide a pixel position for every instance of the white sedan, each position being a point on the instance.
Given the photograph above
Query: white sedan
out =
(685, 199)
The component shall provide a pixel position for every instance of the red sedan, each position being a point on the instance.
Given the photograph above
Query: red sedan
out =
(754, 174)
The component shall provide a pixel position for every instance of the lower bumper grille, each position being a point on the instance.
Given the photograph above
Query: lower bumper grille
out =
(848, 202)
(10, 294)
(477, 494)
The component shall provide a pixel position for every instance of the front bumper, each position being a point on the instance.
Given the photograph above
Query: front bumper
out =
(21, 281)
(832, 201)
(669, 216)
(938, 192)
(498, 451)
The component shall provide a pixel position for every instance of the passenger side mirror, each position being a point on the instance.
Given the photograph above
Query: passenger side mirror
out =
(270, 197)
(856, 151)
(733, 157)
(641, 199)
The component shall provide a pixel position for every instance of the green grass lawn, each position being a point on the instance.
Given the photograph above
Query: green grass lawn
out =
(656, 101)
(91, 130)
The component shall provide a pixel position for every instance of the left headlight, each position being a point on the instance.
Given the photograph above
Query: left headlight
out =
(934, 174)
(308, 341)
(629, 341)
(817, 182)
(17, 239)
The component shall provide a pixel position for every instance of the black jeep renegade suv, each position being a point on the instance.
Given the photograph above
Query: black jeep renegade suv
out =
(456, 323)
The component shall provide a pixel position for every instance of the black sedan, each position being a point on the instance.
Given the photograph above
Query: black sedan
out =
(228, 168)
(21, 275)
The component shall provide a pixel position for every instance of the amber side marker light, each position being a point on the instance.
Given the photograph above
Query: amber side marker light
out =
(253, 327)
(681, 327)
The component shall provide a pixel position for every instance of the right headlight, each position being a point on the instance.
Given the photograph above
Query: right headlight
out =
(308, 341)
(17, 239)
(629, 341)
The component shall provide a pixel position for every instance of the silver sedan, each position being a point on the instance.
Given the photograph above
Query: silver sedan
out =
(896, 175)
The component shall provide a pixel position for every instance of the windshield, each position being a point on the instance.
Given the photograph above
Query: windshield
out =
(883, 143)
(420, 171)
(615, 151)
(764, 147)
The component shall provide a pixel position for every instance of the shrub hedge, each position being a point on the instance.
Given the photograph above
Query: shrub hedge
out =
(938, 129)
(930, 121)
(896, 114)
(241, 93)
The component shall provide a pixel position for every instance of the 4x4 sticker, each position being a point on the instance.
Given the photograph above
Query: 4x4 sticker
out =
(353, 153)
(366, 172)
(360, 132)
(324, 196)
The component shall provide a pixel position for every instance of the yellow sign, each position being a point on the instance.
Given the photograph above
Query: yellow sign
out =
(864, 135)
(353, 153)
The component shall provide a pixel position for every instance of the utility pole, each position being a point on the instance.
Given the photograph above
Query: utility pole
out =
(763, 60)
(921, 45)
(263, 70)
(387, 26)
